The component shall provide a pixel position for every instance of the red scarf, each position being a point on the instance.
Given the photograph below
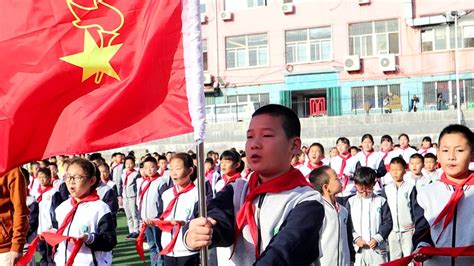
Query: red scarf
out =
(55, 238)
(343, 164)
(424, 151)
(246, 215)
(230, 179)
(41, 192)
(433, 251)
(126, 177)
(165, 226)
(387, 166)
(209, 175)
(448, 211)
(115, 166)
(161, 172)
(143, 190)
(311, 167)
(32, 182)
(367, 155)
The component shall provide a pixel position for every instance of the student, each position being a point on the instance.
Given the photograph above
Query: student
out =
(116, 170)
(107, 191)
(277, 198)
(405, 150)
(32, 205)
(315, 159)
(298, 159)
(354, 150)
(332, 152)
(342, 164)
(336, 232)
(84, 218)
(371, 220)
(178, 204)
(443, 210)
(129, 196)
(231, 166)
(426, 146)
(150, 187)
(55, 180)
(163, 166)
(33, 183)
(429, 169)
(48, 200)
(209, 170)
(246, 172)
(368, 157)
(415, 175)
(398, 195)
(387, 153)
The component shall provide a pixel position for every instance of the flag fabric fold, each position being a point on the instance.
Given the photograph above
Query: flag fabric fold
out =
(80, 76)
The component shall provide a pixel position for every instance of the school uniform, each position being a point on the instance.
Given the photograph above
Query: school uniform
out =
(423, 152)
(181, 210)
(33, 186)
(417, 181)
(148, 202)
(387, 157)
(48, 200)
(129, 196)
(109, 196)
(33, 224)
(93, 218)
(224, 180)
(433, 176)
(406, 153)
(289, 218)
(306, 168)
(344, 170)
(371, 219)
(459, 231)
(372, 160)
(400, 204)
(336, 236)
(116, 173)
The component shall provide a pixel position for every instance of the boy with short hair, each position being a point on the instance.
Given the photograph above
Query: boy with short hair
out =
(399, 195)
(129, 195)
(415, 175)
(336, 232)
(371, 219)
(429, 169)
(275, 217)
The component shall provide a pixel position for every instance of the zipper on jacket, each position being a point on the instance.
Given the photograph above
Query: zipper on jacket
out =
(259, 205)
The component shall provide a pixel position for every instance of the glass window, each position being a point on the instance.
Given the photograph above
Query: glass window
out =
(468, 36)
(427, 40)
(441, 37)
(374, 38)
(234, 5)
(246, 51)
(204, 55)
(308, 45)
(373, 96)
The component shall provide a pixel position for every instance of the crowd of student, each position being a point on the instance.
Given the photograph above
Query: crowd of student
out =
(274, 203)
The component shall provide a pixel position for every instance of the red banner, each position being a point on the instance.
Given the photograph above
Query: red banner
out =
(85, 75)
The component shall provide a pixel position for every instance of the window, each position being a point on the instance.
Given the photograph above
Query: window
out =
(246, 51)
(233, 5)
(441, 37)
(308, 45)
(374, 38)
(440, 94)
(373, 96)
(204, 55)
(262, 98)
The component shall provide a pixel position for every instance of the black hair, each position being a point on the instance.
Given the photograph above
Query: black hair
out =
(459, 129)
(289, 120)
(316, 144)
(150, 159)
(187, 163)
(53, 164)
(427, 138)
(104, 165)
(234, 156)
(367, 136)
(89, 168)
(343, 140)
(131, 158)
(417, 156)
(354, 148)
(404, 135)
(26, 175)
(97, 156)
(319, 177)
(161, 157)
(399, 160)
(386, 138)
(365, 176)
(209, 160)
(45, 171)
(431, 155)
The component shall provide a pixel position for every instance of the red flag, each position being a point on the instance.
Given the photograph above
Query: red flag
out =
(78, 76)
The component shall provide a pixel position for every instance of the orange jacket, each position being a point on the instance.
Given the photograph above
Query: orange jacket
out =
(13, 211)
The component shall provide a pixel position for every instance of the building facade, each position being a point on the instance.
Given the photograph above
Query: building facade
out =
(326, 57)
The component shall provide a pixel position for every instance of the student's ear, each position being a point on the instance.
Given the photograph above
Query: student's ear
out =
(325, 187)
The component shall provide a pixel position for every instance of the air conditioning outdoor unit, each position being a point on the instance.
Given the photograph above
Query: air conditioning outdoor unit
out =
(226, 15)
(203, 18)
(207, 79)
(352, 63)
(288, 8)
(363, 2)
(387, 62)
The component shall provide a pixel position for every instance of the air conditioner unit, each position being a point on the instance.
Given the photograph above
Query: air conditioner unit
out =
(288, 8)
(203, 18)
(207, 79)
(363, 2)
(387, 62)
(352, 63)
(226, 15)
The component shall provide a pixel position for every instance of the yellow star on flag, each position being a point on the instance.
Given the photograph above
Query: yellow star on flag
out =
(94, 59)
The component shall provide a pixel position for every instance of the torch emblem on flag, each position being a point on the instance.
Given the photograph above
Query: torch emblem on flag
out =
(101, 23)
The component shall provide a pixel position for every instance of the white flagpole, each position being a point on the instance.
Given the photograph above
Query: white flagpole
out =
(202, 194)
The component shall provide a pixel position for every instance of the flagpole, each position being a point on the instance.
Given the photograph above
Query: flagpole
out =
(202, 194)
